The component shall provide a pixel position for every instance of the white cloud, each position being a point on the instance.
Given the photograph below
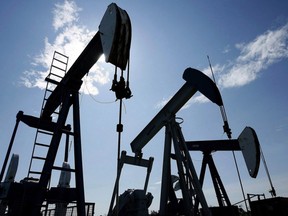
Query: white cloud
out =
(70, 40)
(162, 103)
(32, 79)
(65, 14)
(199, 99)
(256, 56)
(226, 49)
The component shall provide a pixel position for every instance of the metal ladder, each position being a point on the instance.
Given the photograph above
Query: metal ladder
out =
(42, 139)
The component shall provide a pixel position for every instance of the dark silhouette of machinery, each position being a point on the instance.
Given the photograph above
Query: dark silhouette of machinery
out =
(188, 181)
(33, 195)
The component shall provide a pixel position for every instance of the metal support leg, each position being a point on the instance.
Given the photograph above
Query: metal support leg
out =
(149, 168)
(54, 145)
(115, 194)
(218, 184)
(201, 179)
(184, 157)
(166, 173)
(78, 157)
(183, 178)
(20, 113)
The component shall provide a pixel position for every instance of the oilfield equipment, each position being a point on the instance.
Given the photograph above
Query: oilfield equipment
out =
(34, 195)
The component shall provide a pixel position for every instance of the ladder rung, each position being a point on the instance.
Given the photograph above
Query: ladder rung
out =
(60, 61)
(56, 112)
(49, 90)
(57, 75)
(39, 158)
(58, 69)
(60, 54)
(62, 168)
(35, 172)
(41, 144)
(45, 132)
(47, 79)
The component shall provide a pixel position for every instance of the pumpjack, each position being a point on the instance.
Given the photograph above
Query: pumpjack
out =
(34, 194)
(188, 181)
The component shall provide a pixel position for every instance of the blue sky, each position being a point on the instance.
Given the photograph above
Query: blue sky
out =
(248, 46)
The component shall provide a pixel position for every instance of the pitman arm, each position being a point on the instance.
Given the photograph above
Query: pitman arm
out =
(195, 81)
